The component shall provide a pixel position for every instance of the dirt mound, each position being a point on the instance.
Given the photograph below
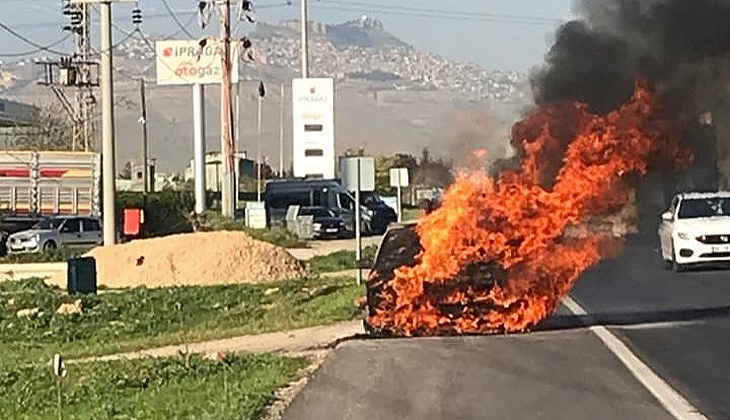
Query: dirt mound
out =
(206, 258)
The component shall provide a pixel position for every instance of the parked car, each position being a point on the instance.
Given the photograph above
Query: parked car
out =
(326, 223)
(382, 214)
(57, 232)
(696, 230)
(280, 194)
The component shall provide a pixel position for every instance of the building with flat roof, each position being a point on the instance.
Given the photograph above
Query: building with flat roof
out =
(15, 114)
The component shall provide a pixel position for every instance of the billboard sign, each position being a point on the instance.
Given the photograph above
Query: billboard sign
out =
(184, 62)
(313, 107)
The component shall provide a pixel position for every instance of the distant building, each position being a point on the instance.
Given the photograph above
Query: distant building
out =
(13, 114)
(316, 28)
(136, 183)
(213, 170)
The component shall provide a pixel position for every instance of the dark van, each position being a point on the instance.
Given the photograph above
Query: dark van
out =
(280, 194)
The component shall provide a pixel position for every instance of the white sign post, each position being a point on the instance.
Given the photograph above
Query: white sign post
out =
(399, 179)
(185, 62)
(357, 179)
(313, 119)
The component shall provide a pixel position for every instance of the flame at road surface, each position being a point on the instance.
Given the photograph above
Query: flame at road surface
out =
(495, 255)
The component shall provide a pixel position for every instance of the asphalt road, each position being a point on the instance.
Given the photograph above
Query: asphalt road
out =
(677, 324)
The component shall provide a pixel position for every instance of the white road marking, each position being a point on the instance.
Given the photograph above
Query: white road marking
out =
(672, 401)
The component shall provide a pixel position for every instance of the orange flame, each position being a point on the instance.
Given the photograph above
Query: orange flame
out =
(495, 255)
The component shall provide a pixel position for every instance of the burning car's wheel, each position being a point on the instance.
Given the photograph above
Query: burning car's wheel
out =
(49, 246)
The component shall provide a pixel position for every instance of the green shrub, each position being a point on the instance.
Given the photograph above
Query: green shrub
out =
(143, 318)
(339, 261)
(57, 255)
(182, 387)
(277, 235)
(166, 212)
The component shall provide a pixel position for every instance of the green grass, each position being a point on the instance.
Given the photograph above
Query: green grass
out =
(142, 318)
(411, 214)
(58, 255)
(184, 387)
(277, 235)
(338, 261)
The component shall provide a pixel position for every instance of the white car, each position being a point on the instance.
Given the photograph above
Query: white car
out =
(696, 230)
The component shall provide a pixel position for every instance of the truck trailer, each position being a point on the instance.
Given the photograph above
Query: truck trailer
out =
(38, 184)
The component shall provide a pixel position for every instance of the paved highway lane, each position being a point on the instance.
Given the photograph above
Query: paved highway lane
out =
(677, 323)
(566, 375)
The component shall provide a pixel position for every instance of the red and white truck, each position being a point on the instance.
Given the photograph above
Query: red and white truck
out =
(38, 184)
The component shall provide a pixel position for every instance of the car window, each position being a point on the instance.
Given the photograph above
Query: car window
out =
(319, 197)
(370, 198)
(704, 207)
(91, 225)
(322, 213)
(345, 201)
(48, 224)
(71, 226)
(284, 200)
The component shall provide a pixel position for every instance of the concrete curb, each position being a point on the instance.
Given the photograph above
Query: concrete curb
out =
(287, 341)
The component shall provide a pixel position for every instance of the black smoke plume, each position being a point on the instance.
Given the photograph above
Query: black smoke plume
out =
(681, 48)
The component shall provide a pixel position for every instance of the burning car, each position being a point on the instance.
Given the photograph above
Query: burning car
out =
(499, 253)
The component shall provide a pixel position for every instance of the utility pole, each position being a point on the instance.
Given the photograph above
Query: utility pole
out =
(199, 146)
(281, 132)
(107, 119)
(237, 136)
(76, 71)
(228, 204)
(143, 121)
(87, 96)
(305, 42)
(262, 93)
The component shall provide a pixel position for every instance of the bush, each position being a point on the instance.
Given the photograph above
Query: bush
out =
(166, 211)
(57, 255)
(277, 235)
(339, 261)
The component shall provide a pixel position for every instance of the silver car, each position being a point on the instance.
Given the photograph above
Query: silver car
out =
(57, 232)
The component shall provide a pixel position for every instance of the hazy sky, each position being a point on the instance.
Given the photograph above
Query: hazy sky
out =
(505, 34)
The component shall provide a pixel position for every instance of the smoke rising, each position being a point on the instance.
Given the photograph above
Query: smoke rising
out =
(680, 47)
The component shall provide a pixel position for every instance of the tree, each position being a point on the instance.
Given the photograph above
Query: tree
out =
(383, 165)
(126, 172)
(51, 130)
(427, 171)
(355, 152)
(436, 173)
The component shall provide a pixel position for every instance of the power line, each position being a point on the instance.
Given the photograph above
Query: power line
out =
(29, 41)
(147, 17)
(174, 17)
(37, 50)
(186, 24)
(434, 14)
(443, 12)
